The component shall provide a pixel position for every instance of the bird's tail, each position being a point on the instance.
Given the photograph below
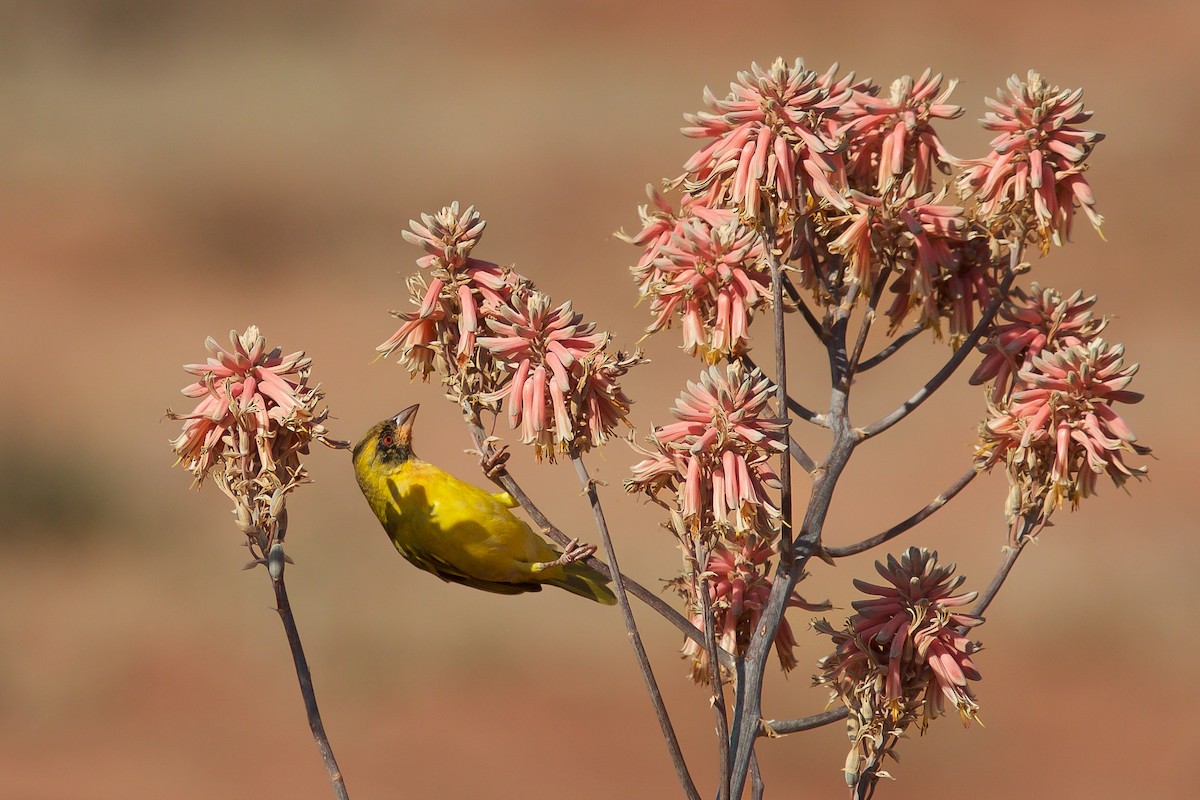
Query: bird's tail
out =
(586, 582)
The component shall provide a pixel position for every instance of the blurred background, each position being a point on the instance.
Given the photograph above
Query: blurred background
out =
(172, 170)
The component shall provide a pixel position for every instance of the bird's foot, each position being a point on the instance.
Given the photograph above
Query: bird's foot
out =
(494, 463)
(574, 552)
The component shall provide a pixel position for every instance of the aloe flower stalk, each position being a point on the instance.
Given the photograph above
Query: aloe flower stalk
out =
(716, 457)
(902, 657)
(1034, 173)
(560, 383)
(892, 137)
(1061, 432)
(1037, 320)
(774, 140)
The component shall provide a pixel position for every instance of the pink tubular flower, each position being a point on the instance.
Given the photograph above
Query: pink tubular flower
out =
(1035, 169)
(1039, 320)
(660, 226)
(774, 139)
(713, 279)
(902, 656)
(921, 238)
(1057, 435)
(716, 457)
(739, 585)
(894, 137)
(559, 381)
(255, 417)
(250, 390)
(458, 293)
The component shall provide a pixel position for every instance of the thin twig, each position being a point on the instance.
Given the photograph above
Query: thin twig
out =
(869, 316)
(935, 383)
(781, 393)
(275, 562)
(635, 638)
(798, 301)
(899, 528)
(806, 414)
(757, 787)
(506, 481)
(800, 457)
(782, 727)
(1011, 553)
(714, 681)
(887, 352)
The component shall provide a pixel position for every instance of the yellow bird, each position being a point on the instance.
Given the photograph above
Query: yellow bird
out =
(458, 532)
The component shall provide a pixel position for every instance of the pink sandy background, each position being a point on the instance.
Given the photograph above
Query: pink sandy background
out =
(171, 171)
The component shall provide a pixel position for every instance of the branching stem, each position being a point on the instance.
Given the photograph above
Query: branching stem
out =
(899, 528)
(635, 638)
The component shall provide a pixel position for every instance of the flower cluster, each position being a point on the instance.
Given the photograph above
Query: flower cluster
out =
(716, 458)
(1058, 431)
(917, 238)
(452, 300)
(775, 140)
(1036, 321)
(1034, 174)
(509, 343)
(739, 585)
(560, 379)
(895, 137)
(255, 416)
(901, 657)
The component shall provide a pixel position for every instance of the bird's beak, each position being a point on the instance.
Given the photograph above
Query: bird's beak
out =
(404, 424)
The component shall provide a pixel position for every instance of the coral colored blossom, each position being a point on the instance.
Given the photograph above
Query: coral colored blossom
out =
(1061, 432)
(894, 137)
(902, 657)
(1035, 170)
(560, 386)
(774, 139)
(716, 456)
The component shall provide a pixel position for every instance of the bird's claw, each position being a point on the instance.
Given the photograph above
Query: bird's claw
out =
(576, 552)
(494, 463)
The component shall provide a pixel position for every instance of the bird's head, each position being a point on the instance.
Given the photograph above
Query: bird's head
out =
(388, 444)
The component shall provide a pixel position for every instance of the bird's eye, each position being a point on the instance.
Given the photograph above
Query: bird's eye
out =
(387, 440)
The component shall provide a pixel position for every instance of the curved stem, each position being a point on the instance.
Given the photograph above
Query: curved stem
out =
(935, 383)
(506, 481)
(892, 348)
(899, 528)
(782, 727)
(806, 414)
(635, 638)
(275, 561)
